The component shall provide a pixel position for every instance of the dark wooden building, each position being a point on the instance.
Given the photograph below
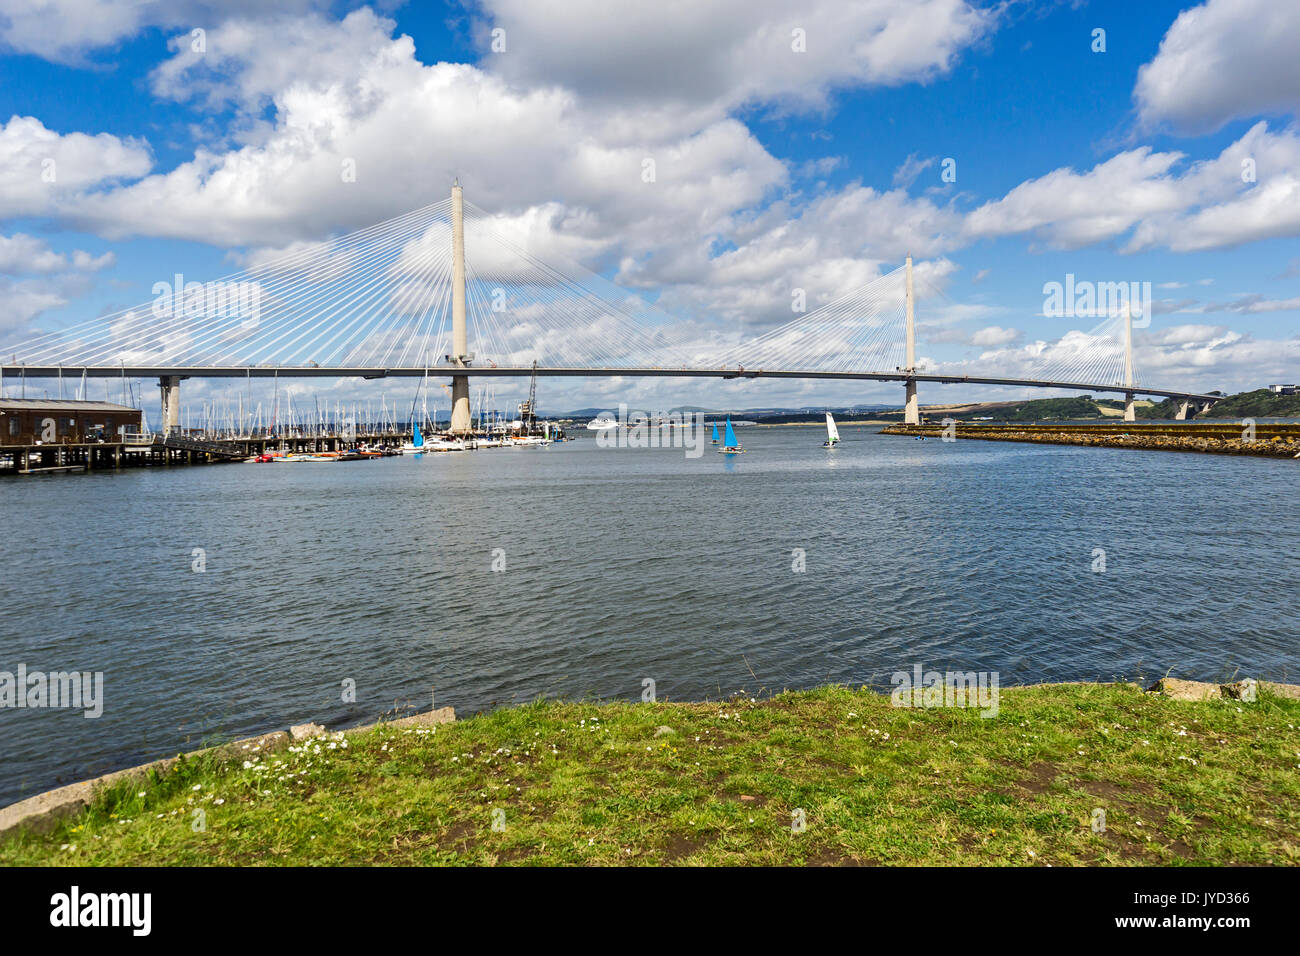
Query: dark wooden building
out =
(41, 421)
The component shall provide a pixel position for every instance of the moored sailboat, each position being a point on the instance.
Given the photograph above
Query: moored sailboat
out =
(416, 444)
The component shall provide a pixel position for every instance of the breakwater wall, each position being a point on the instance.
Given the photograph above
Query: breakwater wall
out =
(1236, 438)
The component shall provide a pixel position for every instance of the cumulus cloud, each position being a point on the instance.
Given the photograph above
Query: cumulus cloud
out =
(706, 59)
(995, 335)
(232, 68)
(66, 31)
(1075, 209)
(380, 133)
(1250, 191)
(22, 300)
(1223, 60)
(26, 255)
(40, 168)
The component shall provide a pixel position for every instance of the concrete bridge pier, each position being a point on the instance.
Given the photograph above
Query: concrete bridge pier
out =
(912, 407)
(1130, 409)
(1183, 408)
(170, 386)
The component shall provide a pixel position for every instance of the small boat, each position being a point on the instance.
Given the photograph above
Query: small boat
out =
(832, 433)
(416, 445)
(446, 444)
(715, 440)
(730, 445)
(297, 458)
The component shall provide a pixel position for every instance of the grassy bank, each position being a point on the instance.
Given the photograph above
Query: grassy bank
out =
(1205, 782)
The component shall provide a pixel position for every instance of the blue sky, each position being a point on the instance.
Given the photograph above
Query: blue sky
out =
(817, 171)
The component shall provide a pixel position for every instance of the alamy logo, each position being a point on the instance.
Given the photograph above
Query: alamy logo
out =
(78, 690)
(212, 300)
(948, 689)
(1097, 300)
(103, 909)
(661, 430)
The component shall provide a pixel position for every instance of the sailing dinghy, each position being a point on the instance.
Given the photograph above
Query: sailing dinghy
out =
(832, 433)
(730, 446)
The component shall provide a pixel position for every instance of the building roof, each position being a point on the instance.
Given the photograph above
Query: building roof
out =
(55, 405)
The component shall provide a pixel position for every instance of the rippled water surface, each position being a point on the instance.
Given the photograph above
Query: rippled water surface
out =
(623, 565)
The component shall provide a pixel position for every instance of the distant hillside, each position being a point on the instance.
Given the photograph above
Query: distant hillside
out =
(1260, 403)
(1033, 410)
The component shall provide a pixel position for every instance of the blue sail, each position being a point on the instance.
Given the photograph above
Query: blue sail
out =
(715, 433)
(730, 441)
(416, 438)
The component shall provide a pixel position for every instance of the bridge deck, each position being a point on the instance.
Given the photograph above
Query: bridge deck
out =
(314, 371)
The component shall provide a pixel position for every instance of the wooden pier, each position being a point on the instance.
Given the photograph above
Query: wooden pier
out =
(175, 449)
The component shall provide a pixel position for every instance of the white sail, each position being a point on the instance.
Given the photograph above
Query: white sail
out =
(832, 433)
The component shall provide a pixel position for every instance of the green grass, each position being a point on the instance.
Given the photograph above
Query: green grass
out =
(1210, 782)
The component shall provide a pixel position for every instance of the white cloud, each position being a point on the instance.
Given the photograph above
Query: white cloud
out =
(1076, 209)
(1254, 304)
(708, 58)
(233, 68)
(912, 167)
(66, 30)
(40, 168)
(407, 129)
(1223, 60)
(22, 300)
(26, 255)
(995, 335)
(1250, 191)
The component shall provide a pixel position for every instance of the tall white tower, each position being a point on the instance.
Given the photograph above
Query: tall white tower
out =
(460, 416)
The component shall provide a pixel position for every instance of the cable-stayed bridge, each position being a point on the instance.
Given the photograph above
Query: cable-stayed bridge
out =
(449, 290)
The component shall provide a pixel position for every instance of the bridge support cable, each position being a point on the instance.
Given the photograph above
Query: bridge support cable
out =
(861, 330)
(400, 296)
(292, 309)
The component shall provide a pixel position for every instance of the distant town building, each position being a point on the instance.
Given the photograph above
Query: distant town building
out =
(39, 421)
(1285, 389)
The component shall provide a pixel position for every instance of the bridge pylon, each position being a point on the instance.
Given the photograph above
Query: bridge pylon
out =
(911, 408)
(460, 357)
(1130, 410)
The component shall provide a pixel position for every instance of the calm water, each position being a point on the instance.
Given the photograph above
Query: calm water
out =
(623, 565)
